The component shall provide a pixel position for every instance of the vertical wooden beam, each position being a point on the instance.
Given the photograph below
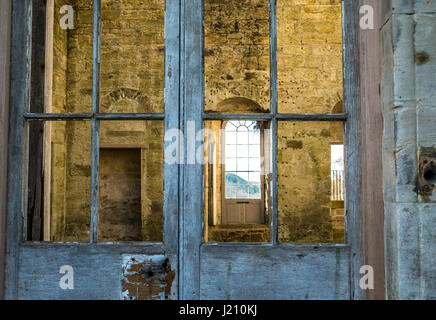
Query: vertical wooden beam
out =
(192, 183)
(351, 62)
(5, 28)
(172, 111)
(19, 86)
(95, 127)
(372, 133)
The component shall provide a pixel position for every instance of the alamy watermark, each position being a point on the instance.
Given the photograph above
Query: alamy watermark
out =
(67, 280)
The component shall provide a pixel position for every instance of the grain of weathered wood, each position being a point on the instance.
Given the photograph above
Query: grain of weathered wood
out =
(372, 175)
(97, 270)
(271, 272)
(192, 186)
(172, 111)
(95, 126)
(353, 160)
(19, 86)
(5, 20)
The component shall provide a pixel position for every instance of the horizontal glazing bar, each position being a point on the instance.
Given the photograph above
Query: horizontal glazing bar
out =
(237, 116)
(58, 116)
(90, 116)
(312, 116)
(130, 116)
(280, 116)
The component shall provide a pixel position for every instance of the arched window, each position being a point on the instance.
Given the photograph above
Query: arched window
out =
(243, 175)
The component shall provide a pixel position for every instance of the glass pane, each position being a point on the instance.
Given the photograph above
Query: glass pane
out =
(309, 56)
(62, 72)
(311, 182)
(236, 56)
(59, 181)
(131, 181)
(132, 56)
(236, 199)
(231, 164)
(231, 137)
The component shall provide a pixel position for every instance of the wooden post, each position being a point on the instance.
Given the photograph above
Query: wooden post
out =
(5, 21)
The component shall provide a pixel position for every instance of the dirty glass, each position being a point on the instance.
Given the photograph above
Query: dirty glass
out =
(132, 56)
(236, 56)
(131, 181)
(58, 188)
(311, 182)
(309, 56)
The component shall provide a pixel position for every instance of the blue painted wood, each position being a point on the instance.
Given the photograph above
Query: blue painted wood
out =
(258, 272)
(353, 159)
(95, 126)
(97, 270)
(32, 268)
(17, 104)
(192, 184)
(172, 112)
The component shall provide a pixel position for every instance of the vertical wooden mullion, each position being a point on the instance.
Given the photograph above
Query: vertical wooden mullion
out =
(353, 159)
(172, 110)
(274, 107)
(17, 104)
(95, 122)
(192, 183)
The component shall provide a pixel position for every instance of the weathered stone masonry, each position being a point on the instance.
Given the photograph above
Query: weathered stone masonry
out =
(409, 110)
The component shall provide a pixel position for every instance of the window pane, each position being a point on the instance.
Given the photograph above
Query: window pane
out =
(132, 56)
(236, 199)
(231, 164)
(62, 71)
(309, 56)
(236, 56)
(311, 203)
(59, 181)
(131, 181)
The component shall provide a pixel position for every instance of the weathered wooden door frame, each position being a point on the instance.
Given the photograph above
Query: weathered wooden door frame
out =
(192, 246)
(34, 266)
(190, 176)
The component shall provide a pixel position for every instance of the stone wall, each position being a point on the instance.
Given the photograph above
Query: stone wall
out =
(409, 111)
(309, 56)
(236, 55)
(304, 182)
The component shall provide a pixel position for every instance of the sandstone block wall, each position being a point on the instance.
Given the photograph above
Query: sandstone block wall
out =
(409, 111)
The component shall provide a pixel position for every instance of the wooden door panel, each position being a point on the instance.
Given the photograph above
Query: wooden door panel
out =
(254, 213)
(265, 272)
(100, 272)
